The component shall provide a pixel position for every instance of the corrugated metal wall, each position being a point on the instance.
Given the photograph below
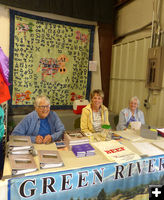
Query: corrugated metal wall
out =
(128, 78)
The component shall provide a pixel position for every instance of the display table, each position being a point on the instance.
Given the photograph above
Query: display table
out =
(69, 159)
(85, 178)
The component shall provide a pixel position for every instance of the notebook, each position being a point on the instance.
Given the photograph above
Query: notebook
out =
(21, 164)
(17, 143)
(49, 159)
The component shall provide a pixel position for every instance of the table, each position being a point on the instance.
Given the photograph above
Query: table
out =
(85, 178)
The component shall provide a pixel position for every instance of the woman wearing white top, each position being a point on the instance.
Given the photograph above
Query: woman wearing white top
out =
(94, 114)
(130, 114)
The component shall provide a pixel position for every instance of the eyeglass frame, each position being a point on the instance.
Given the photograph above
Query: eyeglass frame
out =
(44, 107)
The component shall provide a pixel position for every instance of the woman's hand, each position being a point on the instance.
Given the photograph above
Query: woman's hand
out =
(47, 139)
(39, 139)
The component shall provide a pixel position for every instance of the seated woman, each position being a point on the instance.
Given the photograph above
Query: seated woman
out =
(42, 125)
(94, 114)
(130, 114)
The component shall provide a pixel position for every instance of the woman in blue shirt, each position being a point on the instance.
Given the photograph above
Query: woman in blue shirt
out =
(130, 114)
(42, 125)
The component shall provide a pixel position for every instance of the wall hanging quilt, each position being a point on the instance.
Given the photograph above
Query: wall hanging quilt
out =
(49, 57)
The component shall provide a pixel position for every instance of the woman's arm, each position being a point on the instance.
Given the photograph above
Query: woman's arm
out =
(122, 122)
(84, 122)
(142, 119)
(57, 127)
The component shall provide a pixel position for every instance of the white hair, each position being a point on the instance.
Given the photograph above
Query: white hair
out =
(39, 98)
(135, 98)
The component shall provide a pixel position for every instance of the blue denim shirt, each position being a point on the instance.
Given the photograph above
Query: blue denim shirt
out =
(125, 116)
(31, 123)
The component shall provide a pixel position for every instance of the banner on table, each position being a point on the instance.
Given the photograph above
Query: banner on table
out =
(51, 57)
(106, 181)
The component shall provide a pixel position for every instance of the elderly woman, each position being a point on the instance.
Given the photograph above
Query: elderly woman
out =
(43, 125)
(94, 114)
(130, 114)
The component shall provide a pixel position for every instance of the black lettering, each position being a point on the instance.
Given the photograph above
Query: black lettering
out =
(66, 181)
(82, 179)
(151, 165)
(22, 189)
(139, 167)
(130, 169)
(49, 186)
(99, 176)
(161, 165)
(119, 172)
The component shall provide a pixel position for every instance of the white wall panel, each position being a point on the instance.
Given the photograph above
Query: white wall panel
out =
(129, 60)
(128, 78)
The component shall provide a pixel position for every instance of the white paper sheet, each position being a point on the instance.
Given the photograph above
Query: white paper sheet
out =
(159, 144)
(129, 135)
(147, 149)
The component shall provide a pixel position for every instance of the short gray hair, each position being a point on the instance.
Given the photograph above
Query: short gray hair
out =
(135, 98)
(39, 98)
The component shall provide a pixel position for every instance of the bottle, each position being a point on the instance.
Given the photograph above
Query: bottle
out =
(106, 132)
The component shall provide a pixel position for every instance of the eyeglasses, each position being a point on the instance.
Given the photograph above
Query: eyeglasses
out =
(43, 107)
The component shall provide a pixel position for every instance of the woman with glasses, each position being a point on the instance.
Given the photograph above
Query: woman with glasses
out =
(42, 125)
(130, 114)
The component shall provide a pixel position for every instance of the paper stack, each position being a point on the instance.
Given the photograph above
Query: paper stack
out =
(19, 145)
(21, 164)
(75, 138)
(49, 159)
(129, 134)
(116, 152)
(83, 150)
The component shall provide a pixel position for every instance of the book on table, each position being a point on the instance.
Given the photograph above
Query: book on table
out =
(49, 159)
(82, 150)
(116, 152)
(60, 144)
(75, 137)
(22, 164)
